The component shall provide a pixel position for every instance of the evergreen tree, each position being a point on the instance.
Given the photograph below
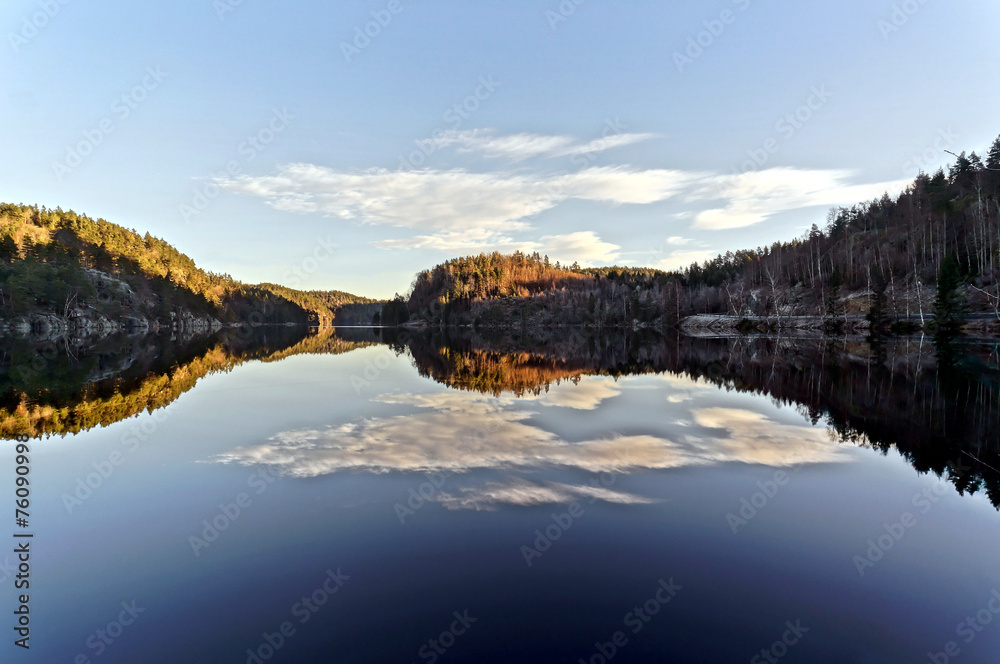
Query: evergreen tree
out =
(993, 156)
(949, 306)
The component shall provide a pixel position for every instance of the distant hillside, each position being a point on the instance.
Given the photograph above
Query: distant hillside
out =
(72, 268)
(929, 258)
(525, 289)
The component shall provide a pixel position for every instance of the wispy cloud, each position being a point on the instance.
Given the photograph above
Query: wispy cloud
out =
(522, 146)
(750, 198)
(461, 211)
(524, 493)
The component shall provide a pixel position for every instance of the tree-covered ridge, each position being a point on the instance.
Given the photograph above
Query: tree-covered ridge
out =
(56, 261)
(931, 255)
(528, 289)
(931, 251)
(486, 276)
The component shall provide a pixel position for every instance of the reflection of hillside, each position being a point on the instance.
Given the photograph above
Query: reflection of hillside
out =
(943, 417)
(47, 390)
(529, 363)
(894, 395)
(324, 341)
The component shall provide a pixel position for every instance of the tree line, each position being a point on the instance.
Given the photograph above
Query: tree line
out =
(927, 257)
(55, 261)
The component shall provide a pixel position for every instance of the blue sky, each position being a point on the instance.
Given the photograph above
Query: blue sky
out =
(253, 135)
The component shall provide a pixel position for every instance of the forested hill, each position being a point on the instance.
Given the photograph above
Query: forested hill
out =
(929, 257)
(66, 265)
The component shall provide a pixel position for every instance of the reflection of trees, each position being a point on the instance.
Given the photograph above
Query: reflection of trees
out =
(939, 407)
(528, 362)
(943, 419)
(48, 390)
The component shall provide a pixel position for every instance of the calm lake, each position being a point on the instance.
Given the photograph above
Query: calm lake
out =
(366, 495)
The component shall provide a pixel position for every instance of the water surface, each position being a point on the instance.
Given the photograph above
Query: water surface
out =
(456, 498)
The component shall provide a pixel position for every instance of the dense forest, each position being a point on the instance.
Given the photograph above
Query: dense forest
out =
(926, 258)
(62, 263)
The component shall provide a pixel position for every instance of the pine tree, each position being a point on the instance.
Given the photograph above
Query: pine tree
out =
(949, 306)
(993, 156)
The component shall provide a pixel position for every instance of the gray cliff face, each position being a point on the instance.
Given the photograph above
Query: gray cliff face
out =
(87, 323)
(82, 321)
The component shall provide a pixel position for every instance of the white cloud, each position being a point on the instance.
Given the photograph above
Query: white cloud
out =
(460, 211)
(464, 211)
(515, 147)
(463, 431)
(585, 395)
(752, 197)
(584, 247)
(753, 438)
(679, 259)
(518, 147)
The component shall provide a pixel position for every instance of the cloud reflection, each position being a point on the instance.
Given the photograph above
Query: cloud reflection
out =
(459, 432)
(524, 493)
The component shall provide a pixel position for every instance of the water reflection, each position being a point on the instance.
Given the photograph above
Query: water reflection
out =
(55, 387)
(943, 416)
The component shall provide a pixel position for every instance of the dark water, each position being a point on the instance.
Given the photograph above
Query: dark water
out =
(365, 496)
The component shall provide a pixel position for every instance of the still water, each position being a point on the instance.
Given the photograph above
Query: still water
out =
(441, 500)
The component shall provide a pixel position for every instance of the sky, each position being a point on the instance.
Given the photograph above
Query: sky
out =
(336, 145)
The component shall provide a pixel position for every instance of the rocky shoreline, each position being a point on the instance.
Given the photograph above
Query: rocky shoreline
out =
(88, 324)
